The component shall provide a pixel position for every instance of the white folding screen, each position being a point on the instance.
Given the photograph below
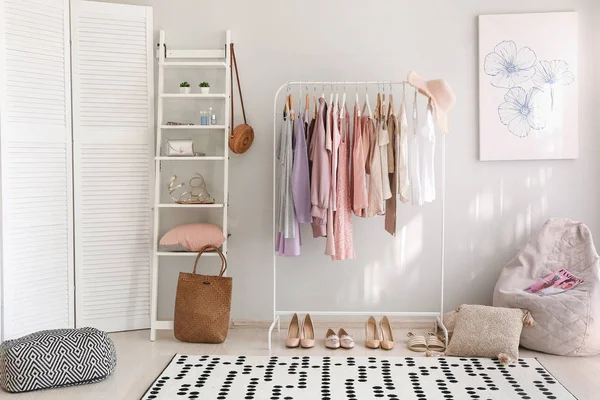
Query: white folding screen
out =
(113, 137)
(35, 131)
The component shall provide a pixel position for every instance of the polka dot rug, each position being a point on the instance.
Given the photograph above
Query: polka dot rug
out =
(354, 378)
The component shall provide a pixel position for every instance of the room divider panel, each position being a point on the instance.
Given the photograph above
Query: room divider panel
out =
(113, 131)
(76, 196)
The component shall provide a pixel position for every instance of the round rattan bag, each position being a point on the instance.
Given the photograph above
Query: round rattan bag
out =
(242, 136)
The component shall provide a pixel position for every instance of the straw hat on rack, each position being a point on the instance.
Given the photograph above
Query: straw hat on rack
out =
(441, 95)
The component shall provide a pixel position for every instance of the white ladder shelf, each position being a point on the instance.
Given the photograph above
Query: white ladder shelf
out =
(221, 60)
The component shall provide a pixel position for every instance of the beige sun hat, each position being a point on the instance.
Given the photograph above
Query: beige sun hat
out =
(440, 93)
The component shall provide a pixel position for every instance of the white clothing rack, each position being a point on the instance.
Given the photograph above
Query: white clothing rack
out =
(202, 59)
(277, 314)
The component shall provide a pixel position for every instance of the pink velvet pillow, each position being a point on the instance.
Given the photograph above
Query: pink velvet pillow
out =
(191, 237)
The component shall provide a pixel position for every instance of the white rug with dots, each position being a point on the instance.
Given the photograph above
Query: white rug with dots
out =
(353, 378)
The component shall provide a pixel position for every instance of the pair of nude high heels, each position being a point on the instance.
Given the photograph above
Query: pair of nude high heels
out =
(301, 336)
(381, 336)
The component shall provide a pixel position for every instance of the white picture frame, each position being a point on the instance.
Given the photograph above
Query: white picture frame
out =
(528, 86)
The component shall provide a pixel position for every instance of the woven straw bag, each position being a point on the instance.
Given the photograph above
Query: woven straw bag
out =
(203, 304)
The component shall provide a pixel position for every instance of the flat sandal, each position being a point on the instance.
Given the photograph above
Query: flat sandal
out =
(416, 343)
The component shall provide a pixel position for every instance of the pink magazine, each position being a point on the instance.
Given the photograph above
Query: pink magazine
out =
(557, 282)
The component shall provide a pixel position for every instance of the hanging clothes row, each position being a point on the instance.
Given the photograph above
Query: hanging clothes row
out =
(329, 167)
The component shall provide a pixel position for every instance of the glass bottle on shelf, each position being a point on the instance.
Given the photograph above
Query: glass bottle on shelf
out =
(204, 118)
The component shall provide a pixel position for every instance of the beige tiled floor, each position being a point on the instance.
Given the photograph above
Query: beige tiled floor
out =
(140, 361)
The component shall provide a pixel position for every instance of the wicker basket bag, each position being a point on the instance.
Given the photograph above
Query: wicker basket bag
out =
(203, 304)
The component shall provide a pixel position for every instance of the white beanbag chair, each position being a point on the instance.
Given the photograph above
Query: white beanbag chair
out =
(568, 323)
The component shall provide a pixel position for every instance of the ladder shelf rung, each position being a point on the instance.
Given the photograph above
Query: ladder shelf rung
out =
(198, 158)
(187, 64)
(205, 127)
(193, 96)
(177, 205)
(183, 254)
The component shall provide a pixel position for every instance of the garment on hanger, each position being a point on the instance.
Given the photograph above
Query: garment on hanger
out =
(392, 154)
(306, 118)
(333, 146)
(375, 191)
(309, 136)
(402, 159)
(286, 246)
(300, 174)
(289, 247)
(383, 140)
(359, 173)
(427, 155)
(392, 171)
(285, 203)
(413, 164)
(343, 235)
(320, 174)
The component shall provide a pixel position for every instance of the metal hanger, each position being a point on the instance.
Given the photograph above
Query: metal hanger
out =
(367, 103)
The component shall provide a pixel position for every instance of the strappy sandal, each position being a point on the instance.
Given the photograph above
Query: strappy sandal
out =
(416, 343)
(434, 343)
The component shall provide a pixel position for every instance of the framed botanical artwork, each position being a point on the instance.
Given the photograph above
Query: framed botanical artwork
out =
(528, 87)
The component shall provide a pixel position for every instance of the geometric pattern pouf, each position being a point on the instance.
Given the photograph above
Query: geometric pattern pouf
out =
(55, 358)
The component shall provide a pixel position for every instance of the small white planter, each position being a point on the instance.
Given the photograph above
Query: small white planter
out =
(185, 90)
(204, 90)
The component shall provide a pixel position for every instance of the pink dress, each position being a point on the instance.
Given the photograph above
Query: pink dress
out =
(344, 246)
(359, 173)
(333, 145)
(320, 174)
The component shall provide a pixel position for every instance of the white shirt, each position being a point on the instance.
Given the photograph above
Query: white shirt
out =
(403, 185)
(414, 169)
(426, 139)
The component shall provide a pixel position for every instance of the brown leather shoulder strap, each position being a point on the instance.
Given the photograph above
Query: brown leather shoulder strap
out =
(237, 75)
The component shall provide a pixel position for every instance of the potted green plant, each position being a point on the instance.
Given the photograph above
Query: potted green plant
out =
(184, 88)
(204, 87)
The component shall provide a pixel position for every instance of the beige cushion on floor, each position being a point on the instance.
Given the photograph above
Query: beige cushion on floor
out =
(450, 320)
(484, 331)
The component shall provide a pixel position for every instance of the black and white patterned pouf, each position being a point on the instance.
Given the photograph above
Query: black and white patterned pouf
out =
(55, 358)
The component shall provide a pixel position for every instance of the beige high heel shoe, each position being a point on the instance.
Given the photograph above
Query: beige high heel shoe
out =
(293, 336)
(307, 335)
(387, 336)
(371, 334)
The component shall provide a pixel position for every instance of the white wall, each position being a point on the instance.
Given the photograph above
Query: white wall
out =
(492, 207)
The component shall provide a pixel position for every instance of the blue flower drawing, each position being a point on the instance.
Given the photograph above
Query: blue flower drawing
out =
(522, 111)
(549, 74)
(508, 66)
